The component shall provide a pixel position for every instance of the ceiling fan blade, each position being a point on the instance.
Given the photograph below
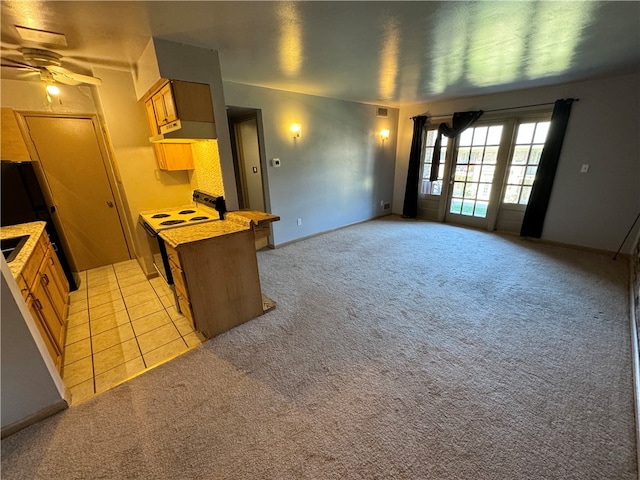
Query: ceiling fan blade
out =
(78, 77)
(19, 65)
(64, 79)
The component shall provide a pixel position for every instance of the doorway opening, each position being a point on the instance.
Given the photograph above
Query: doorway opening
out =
(247, 146)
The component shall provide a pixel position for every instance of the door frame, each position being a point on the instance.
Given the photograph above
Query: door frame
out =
(110, 171)
(237, 115)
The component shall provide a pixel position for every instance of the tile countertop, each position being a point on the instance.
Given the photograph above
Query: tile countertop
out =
(34, 230)
(202, 231)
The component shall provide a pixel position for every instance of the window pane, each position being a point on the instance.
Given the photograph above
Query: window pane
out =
(431, 137)
(444, 141)
(441, 171)
(476, 155)
(467, 207)
(461, 173)
(473, 175)
(428, 154)
(487, 173)
(458, 189)
(534, 157)
(525, 133)
(426, 171)
(491, 155)
(436, 187)
(424, 188)
(520, 155)
(456, 206)
(495, 133)
(465, 137)
(481, 209)
(530, 176)
(524, 198)
(480, 135)
(516, 175)
(541, 132)
(512, 194)
(470, 190)
(463, 155)
(484, 191)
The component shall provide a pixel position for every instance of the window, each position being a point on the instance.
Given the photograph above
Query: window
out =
(428, 187)
(524, 161)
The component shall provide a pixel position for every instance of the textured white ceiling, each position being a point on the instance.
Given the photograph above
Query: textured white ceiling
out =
(386, 53)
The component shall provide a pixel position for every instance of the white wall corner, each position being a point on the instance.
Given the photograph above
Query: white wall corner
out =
(146, 72)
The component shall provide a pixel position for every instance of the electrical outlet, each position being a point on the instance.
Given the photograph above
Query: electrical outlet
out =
(275, 162)
(382, 203)
(299, 221)
(584, 168)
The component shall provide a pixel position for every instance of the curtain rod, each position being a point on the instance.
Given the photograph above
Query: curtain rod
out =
(495, 109)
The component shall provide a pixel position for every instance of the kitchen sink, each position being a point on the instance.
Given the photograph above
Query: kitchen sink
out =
(12, 246)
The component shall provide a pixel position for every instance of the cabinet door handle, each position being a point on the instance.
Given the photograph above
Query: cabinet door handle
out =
(37, 303)
(110, 203)
(44, 279)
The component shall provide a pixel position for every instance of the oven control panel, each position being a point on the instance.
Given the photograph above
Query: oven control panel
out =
(210, 200)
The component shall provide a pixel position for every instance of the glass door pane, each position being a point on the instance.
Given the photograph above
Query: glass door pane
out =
(475, 160)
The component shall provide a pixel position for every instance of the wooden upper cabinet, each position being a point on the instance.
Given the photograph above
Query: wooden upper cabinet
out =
(171, 101)
(13, 146)
(178, 100)
(164, 106)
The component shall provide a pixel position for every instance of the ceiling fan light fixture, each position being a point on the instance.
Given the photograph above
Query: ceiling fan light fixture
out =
(53, 89)
(41, 36)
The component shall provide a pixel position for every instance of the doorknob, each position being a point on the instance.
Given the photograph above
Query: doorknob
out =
(110, 203)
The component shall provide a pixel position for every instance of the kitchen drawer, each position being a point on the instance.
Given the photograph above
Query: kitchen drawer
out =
(185, 306)
(32, 265)
(22, 285)
(172, 255)
(178, 278)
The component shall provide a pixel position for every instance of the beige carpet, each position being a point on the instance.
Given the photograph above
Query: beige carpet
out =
(398, 350)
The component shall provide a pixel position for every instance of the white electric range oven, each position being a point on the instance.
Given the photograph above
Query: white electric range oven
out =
(206, 208)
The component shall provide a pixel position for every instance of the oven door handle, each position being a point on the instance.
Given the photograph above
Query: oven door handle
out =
(152, 233)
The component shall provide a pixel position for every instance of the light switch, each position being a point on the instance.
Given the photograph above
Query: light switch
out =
(584, 168)
(255, 169)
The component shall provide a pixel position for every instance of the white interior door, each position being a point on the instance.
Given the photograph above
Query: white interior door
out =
(75, 169)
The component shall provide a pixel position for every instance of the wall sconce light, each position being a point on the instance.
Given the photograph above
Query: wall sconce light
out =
(296, 128)
(384, 134)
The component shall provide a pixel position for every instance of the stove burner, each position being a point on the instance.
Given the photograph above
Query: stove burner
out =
(186, 212)
(195, 219)
(160, 215)
(172, 222)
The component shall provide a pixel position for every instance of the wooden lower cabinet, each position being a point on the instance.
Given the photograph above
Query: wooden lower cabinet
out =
(46, 292)
(217, 281)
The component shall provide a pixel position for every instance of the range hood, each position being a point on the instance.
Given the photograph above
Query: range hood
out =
(185, 132)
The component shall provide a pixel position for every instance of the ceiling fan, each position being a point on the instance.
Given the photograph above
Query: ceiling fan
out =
(48, 65)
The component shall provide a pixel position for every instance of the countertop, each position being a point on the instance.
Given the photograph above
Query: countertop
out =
(34, 230)
(202, 231)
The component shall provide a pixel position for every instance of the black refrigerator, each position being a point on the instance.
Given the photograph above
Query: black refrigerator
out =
(23, 201)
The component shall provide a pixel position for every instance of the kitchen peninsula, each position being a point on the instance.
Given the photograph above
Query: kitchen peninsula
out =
(215, 271)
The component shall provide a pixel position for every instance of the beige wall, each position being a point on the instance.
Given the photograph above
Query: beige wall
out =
(143, 185)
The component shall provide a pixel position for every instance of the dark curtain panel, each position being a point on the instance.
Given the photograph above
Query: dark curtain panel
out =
(459, 123)
(542, 185)
(410, 207)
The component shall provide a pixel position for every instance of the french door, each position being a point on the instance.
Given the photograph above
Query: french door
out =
(475, 181)
(485, 175)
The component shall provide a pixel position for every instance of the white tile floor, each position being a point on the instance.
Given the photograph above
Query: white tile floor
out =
(119, 325)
